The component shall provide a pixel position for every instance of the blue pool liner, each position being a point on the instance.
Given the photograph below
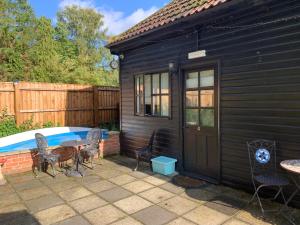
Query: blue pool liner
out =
(53, 140)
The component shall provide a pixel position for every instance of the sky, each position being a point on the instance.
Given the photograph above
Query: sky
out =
(119, 15)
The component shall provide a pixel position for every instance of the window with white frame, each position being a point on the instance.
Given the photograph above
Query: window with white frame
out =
(152, 95)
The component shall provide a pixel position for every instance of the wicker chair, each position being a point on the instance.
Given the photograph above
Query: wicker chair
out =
(43, 155)
(145, 152)
(262, 157)
(92, 147)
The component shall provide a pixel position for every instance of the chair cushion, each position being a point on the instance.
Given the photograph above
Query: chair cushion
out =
(272, 179)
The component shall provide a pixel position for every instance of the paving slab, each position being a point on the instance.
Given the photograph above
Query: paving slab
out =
(9, 199)
(172, 188)
(10, 212)
(123, 179)
(204, 215)
(132, 204)
(127, 221)
(125, 169)
(44, 202)
(109, 173)
(91, 179)
(18, 218)
(87, 203)
(225, 204)
(138, 186)
(155, 180)
(6, 189)
(254, 217)
(34, 193)
(19, 178)
(156, 195)
(199, 195)
(55, 214)
(115, 194)
(235, 222)
(178, 205)
(138, 174)
(74, 193)
(104, 215)
(99, 186)
(27, 185)
(60, 177)
(76, 220)
(154, 215)
(62, 186)
(180, 221)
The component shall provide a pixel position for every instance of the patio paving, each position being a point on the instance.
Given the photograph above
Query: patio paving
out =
(114, 194)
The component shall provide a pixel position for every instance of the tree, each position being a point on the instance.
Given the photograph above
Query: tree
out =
(43, 54)
(85, 32)
(16, 28)
(72, 51)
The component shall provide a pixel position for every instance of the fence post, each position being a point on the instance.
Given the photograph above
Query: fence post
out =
(96, 105)
(17, 102)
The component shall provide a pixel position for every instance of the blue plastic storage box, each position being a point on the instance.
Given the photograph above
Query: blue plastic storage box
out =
(163, 165)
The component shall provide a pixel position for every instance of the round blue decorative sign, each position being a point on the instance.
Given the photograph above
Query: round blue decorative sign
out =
(262, 155)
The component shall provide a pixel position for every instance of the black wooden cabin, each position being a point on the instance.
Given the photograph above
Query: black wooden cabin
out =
(209, 76)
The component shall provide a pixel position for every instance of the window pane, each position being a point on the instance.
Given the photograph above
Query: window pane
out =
(155, 83)
(141, 85)
(207, 117)
(192, 80)
(191, 99)
(141, 103)
(165, 105)
(191, 116)
(164, 83)
(155, 106)
(148, 106)
(137, 85)
(148, 86)
(207, 98)
(137, 104)
(207, 78)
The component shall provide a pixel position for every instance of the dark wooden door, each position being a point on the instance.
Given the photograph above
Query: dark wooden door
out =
(201, 151)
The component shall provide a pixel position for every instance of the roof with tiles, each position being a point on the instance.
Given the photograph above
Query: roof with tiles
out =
(173, 11)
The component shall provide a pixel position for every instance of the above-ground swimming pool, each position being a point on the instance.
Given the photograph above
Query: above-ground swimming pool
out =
(55, 136)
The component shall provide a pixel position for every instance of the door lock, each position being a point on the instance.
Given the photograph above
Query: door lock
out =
(198, 128)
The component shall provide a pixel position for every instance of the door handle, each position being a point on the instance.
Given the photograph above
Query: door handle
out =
(198, 128)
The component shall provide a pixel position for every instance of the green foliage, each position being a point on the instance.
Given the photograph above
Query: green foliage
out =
(71, 51)
(8, 124)
(111, 126)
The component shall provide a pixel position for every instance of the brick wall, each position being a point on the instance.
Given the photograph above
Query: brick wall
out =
(19, 162)
(110, 146)
(23, 161)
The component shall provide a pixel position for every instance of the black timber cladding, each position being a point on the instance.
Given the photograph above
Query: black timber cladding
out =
(259, 84)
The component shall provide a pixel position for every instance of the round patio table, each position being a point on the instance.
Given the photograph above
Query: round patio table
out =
(293, 167)
(77, 170)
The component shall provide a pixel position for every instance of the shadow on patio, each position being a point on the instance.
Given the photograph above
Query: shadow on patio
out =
(113, 194)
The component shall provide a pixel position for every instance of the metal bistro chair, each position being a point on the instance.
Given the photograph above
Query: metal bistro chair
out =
(92, 147)
(44, 155)
(145, 152)
(262, 157)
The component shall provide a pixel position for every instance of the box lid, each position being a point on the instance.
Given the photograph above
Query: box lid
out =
(164, 159)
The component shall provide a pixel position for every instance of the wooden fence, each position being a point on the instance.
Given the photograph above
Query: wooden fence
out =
(64, 104)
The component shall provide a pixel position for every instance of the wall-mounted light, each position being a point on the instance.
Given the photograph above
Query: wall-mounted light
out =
(173, 67)
(114, 64)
